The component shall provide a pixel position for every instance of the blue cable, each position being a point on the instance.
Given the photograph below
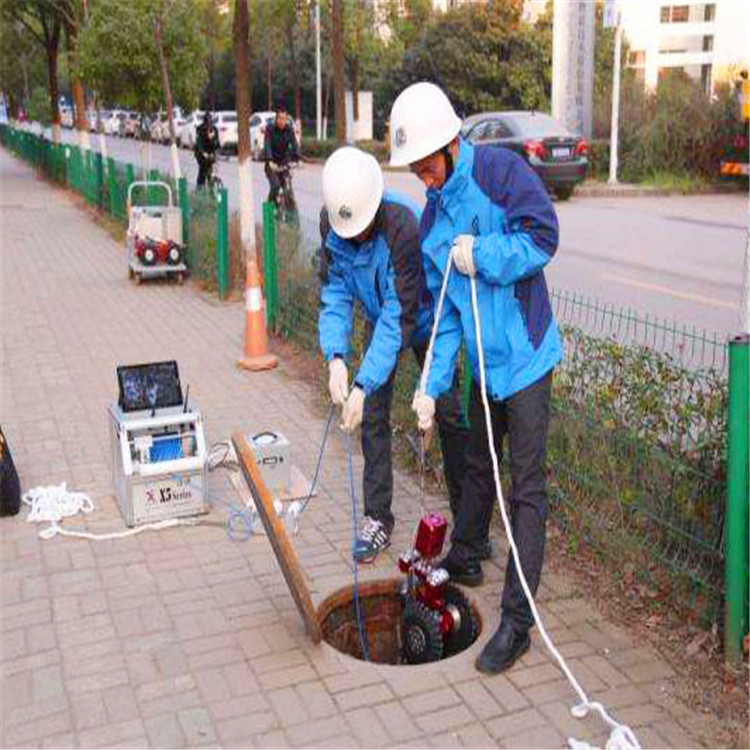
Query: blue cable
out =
(320, 459)
(360, 626)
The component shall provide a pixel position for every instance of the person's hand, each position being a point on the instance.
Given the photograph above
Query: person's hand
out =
(424, 407)
(462, 253)
(351, 416)
(338, 381)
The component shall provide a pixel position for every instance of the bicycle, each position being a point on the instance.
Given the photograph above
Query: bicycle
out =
(286, 205)
(213, 182)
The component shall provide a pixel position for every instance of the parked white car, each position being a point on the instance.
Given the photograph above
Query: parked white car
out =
(226, 124)
(111, 121)
(258, 124)
(159, 127)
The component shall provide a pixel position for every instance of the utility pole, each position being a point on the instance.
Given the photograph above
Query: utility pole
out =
(318, 86)
(615, 125)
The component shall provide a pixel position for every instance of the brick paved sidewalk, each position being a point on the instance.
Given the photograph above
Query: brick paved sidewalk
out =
(183, 638)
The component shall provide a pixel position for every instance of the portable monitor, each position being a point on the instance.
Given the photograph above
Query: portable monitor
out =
(155, 385)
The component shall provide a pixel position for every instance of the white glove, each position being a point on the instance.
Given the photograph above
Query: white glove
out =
(424, 407)
(463, 254)
(351, 416)
(338, 381)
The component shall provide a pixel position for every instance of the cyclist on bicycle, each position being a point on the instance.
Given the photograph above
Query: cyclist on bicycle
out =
(279, 149)
(206, 146)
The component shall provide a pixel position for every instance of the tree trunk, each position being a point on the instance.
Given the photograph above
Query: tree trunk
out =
(295, 71)
(76, 85)
(339, 102)
(355, 89)
(52, 51)
(241, 49)
(326, 106)
(168, 96)
(25, 74)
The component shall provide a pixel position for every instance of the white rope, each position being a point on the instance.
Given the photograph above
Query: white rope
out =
(54, 502)
(621, 737)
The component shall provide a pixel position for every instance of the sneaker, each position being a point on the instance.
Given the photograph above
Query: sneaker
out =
(373, 539)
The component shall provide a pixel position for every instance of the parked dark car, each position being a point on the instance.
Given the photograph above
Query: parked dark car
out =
(557, 156)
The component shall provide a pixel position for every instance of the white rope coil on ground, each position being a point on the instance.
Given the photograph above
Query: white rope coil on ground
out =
(53, 503)
(621, 737)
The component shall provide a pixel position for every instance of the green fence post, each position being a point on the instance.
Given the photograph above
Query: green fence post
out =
(98, 180)
(184, 200)
(222, 242)
(129, 180)
(270, 264)
(112, 181)
(738, 486)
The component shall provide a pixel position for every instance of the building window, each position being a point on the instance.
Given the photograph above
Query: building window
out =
(708, 43)
(709, 12)
(664, 14)
(680, 13)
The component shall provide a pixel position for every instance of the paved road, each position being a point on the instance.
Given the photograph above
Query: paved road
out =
(182, 638)
(676, 258)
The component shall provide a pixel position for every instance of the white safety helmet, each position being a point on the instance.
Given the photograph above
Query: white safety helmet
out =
(352, 190)
(422, 122)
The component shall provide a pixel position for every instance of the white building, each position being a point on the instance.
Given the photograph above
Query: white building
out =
(707, 40)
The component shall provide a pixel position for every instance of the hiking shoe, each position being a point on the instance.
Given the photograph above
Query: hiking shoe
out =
(373, 539)
(502, 651)
(464, 572)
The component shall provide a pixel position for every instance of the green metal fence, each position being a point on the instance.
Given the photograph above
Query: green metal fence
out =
(637, 443)
(104, 184)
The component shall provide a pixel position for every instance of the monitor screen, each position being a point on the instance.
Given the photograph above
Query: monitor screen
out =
(151, 386)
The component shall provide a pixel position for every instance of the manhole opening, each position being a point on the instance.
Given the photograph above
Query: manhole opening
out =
(395, 633)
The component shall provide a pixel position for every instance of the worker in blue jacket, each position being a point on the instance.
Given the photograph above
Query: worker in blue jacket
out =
(490, 214)
(371, 254)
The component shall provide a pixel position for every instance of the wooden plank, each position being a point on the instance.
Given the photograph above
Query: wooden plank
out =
(274, 526)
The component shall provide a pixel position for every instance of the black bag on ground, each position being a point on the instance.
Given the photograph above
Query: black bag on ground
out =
(10, 488)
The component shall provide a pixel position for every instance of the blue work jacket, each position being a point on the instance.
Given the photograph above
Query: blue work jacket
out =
(495, 196)
(386, 274)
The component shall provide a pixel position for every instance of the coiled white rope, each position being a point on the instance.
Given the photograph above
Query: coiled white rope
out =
(53, 503)
(621, 737)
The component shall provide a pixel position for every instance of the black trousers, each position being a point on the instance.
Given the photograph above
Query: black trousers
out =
(204, 170)
(376, 445)
(524, 419)
(274, 182)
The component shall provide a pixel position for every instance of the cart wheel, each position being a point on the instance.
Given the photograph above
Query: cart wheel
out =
(422, 639)
(138, 279)
(465, 624)
(180, 278)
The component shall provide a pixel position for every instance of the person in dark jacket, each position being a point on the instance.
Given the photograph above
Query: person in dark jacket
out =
(206, 146)
(488, 216)
(279, 149)
(371, 254)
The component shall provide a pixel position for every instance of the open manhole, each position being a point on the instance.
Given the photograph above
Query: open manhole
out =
(418, 618)
(396, 628)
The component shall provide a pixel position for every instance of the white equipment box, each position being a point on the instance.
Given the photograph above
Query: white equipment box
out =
(273, 456)
(159, 464)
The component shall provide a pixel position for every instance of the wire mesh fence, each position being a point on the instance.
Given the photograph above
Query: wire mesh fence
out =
(636, 449)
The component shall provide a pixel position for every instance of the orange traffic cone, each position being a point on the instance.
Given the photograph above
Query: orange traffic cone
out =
(256, 339)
